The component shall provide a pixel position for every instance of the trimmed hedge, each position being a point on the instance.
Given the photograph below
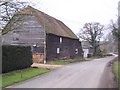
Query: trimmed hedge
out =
(16, 57)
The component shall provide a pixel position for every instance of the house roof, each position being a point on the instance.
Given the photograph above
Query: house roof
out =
(52, 25)
(86, 44)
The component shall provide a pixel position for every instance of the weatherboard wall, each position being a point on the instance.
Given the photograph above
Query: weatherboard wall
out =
(67, 47)
(28, 32)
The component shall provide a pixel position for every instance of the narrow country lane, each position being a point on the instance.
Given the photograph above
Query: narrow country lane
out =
(88, 74)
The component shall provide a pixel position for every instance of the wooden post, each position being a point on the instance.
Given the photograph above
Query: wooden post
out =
(21, 73)
(44, 39)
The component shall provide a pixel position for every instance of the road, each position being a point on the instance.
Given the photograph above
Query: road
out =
(86, 74)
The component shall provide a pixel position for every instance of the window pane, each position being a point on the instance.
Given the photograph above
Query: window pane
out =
(60, 39)
(76, 51)
(58, 50)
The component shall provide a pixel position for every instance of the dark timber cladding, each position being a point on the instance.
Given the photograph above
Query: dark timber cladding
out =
(61, 42)
(68, 48)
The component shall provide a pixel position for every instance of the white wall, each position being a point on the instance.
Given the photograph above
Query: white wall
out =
(86, 51)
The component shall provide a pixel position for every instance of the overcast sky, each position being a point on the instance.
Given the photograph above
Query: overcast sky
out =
(74, 13)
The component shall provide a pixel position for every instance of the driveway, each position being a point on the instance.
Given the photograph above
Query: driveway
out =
(87, 74)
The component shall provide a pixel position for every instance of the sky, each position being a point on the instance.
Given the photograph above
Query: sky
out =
(75, 13)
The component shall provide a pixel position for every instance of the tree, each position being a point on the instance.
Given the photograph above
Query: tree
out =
(112, 43)
(115, 26)
(8, 8)
(92, 32)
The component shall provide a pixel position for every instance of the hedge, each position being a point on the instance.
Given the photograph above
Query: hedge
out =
(15, 57)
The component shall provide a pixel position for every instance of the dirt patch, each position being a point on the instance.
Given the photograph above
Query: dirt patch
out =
(45, 66)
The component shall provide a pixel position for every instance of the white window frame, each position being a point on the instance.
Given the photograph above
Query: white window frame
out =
(15, 36)
(58, 50)
(76, 51)
(60, 40)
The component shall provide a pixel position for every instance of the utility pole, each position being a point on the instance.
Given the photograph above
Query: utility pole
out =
(118, 30)
(44, 39)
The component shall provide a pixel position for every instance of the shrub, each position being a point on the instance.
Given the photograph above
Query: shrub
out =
(89, 55)
(15, 57)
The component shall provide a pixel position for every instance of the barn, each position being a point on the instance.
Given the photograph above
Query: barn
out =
(48, 37)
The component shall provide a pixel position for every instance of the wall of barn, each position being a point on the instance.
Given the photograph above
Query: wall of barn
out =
(75, 48)
(67, 47)
(26, 31)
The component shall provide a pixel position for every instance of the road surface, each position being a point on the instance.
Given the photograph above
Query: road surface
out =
(86, 74)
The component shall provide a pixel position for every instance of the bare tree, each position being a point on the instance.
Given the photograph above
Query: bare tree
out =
(8, 8)
(92, 32)
(115, 26)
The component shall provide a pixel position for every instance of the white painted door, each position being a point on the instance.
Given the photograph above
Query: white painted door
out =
(86, 51)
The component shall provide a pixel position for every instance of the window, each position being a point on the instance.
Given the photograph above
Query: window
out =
(16, 39)
(60, 39)
(34, 47)
(15, 36)
(76, 51)
(58, 50)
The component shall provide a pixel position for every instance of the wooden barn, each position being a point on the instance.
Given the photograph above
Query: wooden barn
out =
(47, 36)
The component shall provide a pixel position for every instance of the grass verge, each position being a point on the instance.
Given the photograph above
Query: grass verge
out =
(116, 70)
(21, 75)
(65, 61)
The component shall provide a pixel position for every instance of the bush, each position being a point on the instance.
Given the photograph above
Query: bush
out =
(15, 57)
(89, 55)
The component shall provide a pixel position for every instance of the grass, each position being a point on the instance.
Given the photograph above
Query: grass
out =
(17, 76)
(116, 70)
(65, 61)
